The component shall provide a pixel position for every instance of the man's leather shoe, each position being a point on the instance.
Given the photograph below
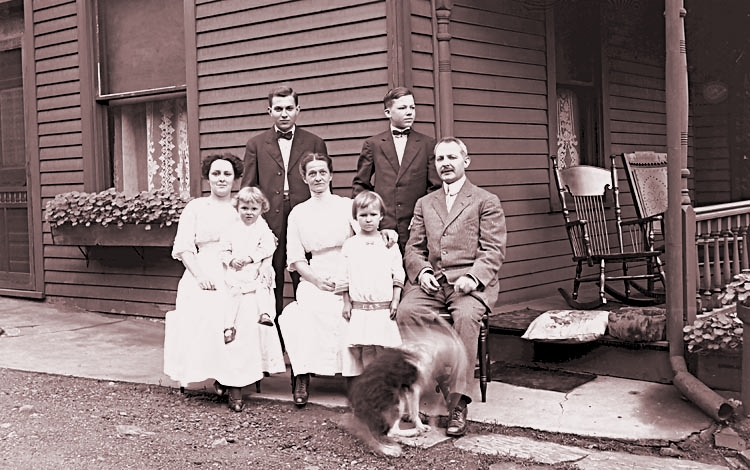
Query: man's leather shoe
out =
(457, 423)
(300, 389)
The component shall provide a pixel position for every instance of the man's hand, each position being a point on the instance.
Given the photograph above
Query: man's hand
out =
(390, 237)
(465, 285)
(428, 282)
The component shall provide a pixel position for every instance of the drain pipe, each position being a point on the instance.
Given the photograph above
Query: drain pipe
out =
(676, 76)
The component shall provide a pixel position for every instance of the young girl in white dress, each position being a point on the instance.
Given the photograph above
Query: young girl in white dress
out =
(374, 277)
(248, 247)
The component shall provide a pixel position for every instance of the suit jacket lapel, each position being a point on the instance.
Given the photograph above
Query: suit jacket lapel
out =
(295, 153)
(272, 147)
(410, 152)
(389, 150)
(463, 198)
(438, 205)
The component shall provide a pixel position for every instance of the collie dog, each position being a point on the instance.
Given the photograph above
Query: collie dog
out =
(391, 386)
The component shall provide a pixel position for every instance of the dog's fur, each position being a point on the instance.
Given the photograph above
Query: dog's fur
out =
(391, 386)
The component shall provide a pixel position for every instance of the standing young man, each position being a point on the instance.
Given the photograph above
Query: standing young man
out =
(452, 259)
(397, 164)
(272, 163)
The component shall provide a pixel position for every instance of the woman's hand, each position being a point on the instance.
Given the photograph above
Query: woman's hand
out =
(206, 283)
(324, 284)
(346, 312)
(390, 237)
(236, 264)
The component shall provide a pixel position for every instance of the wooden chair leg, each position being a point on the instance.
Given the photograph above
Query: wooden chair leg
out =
(257, 386)
(484, 358)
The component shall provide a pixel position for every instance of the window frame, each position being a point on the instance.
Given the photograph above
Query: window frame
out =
(600, 93)
(94, 104)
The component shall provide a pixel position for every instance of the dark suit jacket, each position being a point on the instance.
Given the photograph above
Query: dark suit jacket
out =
(468, 240)
(264, 168)
(399, 185)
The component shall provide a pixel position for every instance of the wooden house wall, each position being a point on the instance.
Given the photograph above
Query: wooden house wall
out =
(500, 111)
(333, 54)
(112, 279)
(712, 155)
(337, 58)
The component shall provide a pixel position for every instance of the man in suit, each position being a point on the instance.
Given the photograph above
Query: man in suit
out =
(401, 163)
(452, 259)
(272, 163)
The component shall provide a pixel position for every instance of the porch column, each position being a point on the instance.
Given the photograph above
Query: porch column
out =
(445, 81)
(697, 392)
(677, 135)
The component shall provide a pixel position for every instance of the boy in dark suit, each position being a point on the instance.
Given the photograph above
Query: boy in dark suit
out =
(397, 164)
(452, 260)
(272, 163)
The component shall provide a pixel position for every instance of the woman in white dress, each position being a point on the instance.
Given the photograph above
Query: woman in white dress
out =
(313, 327)
(194, 348)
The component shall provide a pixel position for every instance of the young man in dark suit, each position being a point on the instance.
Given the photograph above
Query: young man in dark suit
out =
(397, 164)
(272, 163)
(452, 260)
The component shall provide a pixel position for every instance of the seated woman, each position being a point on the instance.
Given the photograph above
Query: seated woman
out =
(194, 347)
(313, 328)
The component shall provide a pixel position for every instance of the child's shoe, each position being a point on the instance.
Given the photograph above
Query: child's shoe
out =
(265, 319)
(229, 334)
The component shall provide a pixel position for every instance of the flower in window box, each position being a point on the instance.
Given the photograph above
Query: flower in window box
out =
(155, 207)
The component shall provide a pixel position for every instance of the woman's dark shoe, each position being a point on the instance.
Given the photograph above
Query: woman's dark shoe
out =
(300, 394)
(234, 399)
(229, 334)
(265, 319)
(219, 388)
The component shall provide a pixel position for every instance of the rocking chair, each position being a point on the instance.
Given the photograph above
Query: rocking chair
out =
(597, 237)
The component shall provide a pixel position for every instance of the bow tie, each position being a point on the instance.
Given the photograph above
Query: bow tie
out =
(398, 133)
(284, 135)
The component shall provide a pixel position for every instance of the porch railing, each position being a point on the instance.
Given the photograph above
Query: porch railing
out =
(721, 242)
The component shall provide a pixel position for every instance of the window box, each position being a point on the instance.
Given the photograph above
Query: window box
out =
(114, 235)
(110, 218)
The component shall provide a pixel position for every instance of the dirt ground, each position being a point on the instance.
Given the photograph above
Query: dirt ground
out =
(59, 422)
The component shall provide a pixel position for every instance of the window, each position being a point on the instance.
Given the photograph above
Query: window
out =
(578, 79)
(141, 84)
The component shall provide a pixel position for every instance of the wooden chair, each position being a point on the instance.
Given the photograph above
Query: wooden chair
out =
(597, 236)
(483, 352)
(647, 178)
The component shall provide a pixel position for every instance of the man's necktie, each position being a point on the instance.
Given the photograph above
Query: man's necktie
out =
(449, 200)
(398, 133)
(284, 135)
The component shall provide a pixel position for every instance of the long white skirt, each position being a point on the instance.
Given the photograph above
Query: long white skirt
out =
(194, 348)
(314, 332)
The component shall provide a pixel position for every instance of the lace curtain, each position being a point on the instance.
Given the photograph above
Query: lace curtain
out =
(151, 146)
(568, 145)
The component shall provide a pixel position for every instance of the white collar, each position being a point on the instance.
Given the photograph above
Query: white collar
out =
(292, 130)
(454, 187)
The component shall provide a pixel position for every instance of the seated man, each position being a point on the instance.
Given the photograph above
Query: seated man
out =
(455, 249)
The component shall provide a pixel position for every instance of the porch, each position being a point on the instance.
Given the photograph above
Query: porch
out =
(719, 251)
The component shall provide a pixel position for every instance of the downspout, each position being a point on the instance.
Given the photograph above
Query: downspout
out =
(710, 402)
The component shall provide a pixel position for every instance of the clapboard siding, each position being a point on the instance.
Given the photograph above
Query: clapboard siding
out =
(712, 153)
(111, 279)
(500, 95)
(334, 54)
